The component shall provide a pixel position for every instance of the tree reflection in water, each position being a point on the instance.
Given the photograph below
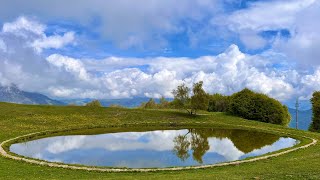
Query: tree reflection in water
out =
(196, 140)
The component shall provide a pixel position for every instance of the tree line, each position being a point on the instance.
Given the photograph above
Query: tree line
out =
(315, 101)
(246, 104)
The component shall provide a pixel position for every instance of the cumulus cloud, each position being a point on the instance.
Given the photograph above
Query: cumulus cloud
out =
(34, 33)
(55, 41)
(296, 17)
(304, 42)
(144, 25)
(268, 15)
(23, 27)
(126, 23)
(122, 77)
(70, 65)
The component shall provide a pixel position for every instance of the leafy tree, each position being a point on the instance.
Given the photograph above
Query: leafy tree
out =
(315, 100)
(259, 107)
(163, 103)
(218, 103)
(94, 103)
(182, 98)
(199, 100)
(151, 104)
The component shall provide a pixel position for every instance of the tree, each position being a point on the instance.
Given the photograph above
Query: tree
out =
(218, 103)
(163, 103)
(259, 107)
(315, 100)
(94, 103)
(151, 104)
(199, 100)
(182, 98)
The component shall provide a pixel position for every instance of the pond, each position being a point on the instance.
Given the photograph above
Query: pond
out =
(154, 148)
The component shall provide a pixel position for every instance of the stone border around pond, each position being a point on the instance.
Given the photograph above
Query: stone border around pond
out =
(87, 168)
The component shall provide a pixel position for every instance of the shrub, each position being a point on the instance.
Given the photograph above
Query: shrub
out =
(151, 104)
(255, 106)
(315, 100)
(94, 103)
(116, 106)
(164, 104)
(218, 103)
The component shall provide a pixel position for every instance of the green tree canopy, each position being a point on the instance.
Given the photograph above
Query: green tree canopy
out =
(315, 100)
(182, 98)
(151, 104)
(218, 103)
(94, 103)
(199, 100)
(259, 107)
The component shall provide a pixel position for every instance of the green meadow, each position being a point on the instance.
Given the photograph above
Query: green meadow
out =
(17, 120)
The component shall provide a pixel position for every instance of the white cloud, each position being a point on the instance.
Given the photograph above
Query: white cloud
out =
(55, 41)
(268, 15)
(304, 42)
(252, 40)
(118, 77)
(71, 65)
(22, 25)
(140, 23)
(296, 17)
(33, 33)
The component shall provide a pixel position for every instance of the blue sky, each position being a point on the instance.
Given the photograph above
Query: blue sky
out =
(122, 49)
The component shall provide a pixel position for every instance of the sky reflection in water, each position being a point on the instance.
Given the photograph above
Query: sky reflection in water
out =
(161, 148)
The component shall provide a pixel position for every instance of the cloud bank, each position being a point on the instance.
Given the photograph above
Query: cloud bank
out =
(61, 76)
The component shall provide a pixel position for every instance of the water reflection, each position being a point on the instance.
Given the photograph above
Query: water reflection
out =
(161, 148)
(197, 141)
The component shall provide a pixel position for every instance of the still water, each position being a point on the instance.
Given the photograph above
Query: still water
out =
(158, 148)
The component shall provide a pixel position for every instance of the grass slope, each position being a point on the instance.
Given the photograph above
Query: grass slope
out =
(16, 120)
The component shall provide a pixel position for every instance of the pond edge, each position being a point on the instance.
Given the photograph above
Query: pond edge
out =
(5, 154)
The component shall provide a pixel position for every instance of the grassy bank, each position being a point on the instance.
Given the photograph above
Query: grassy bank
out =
(17, 120)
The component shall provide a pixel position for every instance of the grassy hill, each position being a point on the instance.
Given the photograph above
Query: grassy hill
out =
(16, 120)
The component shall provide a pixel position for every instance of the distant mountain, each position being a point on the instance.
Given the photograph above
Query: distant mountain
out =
(304, 119)
(14, 95)
(128, 102)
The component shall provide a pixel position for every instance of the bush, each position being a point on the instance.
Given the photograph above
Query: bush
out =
(163, 104)
(116, 106)
(94, 103)
(315, 125)
(151, 104)
(254, 106)
(218, 103)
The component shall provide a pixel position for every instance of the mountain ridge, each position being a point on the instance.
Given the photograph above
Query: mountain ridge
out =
(13, 94)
